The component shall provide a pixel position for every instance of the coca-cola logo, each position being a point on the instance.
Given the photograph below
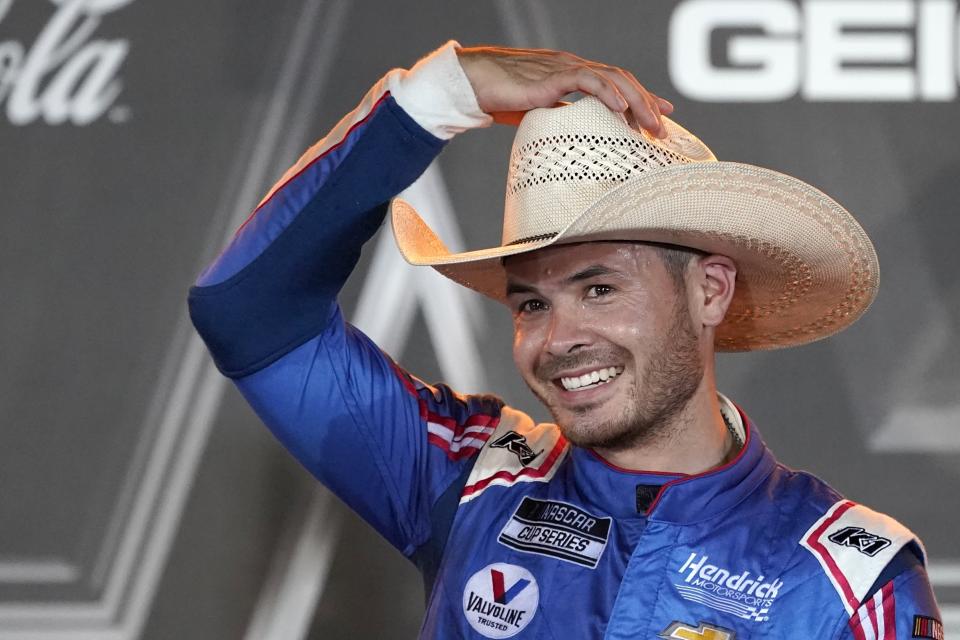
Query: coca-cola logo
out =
(65, 75)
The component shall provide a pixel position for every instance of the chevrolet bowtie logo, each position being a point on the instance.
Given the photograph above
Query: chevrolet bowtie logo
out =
(683, 631)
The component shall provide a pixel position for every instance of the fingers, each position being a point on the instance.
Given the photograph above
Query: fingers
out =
(588, 80)
(645, 107)
(508, 82)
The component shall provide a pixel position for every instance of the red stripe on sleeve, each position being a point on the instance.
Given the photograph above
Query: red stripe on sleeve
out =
(889, 612)
(814, 542)
(280, 188)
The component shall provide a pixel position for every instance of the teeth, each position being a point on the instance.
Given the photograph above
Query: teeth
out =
(590, 380)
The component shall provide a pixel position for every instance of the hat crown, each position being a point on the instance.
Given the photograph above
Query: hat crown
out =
(565, 158)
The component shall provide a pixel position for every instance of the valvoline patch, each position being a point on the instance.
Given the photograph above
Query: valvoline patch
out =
(500, 600)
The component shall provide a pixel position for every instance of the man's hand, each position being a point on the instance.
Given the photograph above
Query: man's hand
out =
(510, 82)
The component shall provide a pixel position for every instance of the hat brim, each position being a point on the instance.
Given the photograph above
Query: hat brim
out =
(806, 269)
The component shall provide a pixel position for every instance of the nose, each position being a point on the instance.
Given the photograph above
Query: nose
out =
(566, 332)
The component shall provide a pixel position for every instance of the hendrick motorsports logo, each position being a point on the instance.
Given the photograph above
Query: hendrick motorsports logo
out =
(500, 600)
(740, 594)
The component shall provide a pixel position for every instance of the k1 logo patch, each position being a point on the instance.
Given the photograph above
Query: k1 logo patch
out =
(860, 539)
(500, 600)
(684, 631)
(557, 529)
(517, 445)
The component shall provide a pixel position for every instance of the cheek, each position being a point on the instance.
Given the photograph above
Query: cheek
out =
(623, 322)
(629, 329)
(525, 348)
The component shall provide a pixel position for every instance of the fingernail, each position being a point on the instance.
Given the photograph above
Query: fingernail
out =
(622, 102)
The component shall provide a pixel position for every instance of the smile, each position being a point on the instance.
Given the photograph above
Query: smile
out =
(591, 379)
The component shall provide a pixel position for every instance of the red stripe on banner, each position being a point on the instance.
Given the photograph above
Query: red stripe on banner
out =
(889, 612)
(814, 543)
(528, 472)
(314, 161)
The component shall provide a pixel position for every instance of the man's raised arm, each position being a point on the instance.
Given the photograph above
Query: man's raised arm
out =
(266, 307)
(275, 284)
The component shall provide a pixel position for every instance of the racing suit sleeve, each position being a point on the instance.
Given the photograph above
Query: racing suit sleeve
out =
(901, 604)
(266, 308)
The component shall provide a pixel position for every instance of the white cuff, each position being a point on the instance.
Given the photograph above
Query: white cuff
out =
(437, 94)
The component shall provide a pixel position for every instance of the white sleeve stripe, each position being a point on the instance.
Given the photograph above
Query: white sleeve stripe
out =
(876, 607)
(436, 93)
(447, 433)
(339, 132)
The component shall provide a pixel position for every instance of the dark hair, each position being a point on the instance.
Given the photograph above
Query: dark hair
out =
(675, 259)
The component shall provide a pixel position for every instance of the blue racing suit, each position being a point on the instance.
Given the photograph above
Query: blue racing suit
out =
(516, 531)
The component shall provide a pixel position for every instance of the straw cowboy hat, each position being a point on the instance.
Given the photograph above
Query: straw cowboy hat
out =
(806, 269)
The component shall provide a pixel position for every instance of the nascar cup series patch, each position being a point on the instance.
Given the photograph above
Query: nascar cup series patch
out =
(557, 529)
(500, 600)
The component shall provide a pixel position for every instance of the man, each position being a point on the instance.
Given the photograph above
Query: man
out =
(652, 508)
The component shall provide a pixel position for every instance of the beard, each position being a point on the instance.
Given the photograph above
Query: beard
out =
(671, 377)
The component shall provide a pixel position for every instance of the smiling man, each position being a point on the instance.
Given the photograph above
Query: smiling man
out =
(605, 338)
(630, 255)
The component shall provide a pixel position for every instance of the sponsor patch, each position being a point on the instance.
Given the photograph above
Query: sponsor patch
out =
(927, 627)
(517, 445)
(558, 530)
(500, 600)
(853, 544)
(863, 541)
(502, 466)
(740, 594)
(705, 631)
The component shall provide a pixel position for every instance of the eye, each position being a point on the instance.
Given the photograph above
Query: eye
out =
(598, 290)
(531, 306)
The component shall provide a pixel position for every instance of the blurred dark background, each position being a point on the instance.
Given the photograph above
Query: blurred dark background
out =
(141, 498)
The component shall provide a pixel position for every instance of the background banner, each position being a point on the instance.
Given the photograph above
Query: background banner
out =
(141, 498)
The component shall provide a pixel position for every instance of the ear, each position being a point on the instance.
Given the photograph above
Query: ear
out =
(717, 277)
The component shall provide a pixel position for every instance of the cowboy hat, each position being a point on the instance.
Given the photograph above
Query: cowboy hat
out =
(805, 268)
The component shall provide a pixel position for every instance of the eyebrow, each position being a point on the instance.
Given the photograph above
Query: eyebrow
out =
(592, 271)
(514, 287)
